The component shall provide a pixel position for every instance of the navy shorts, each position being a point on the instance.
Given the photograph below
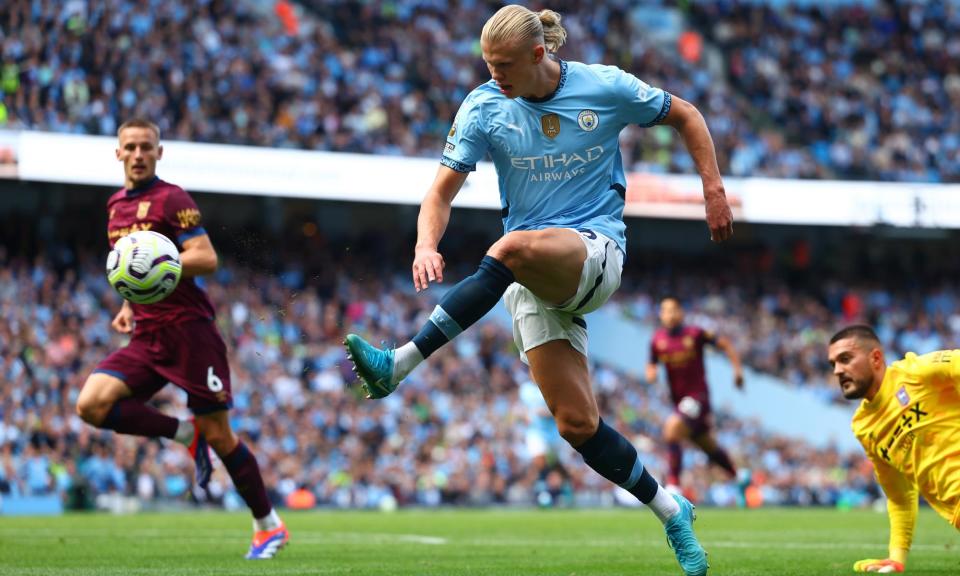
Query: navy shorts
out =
(191, 355)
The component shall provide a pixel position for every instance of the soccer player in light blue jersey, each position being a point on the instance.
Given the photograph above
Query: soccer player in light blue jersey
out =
(552, 129)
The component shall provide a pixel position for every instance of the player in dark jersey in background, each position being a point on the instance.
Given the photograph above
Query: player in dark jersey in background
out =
(174, 340)
(680, 349)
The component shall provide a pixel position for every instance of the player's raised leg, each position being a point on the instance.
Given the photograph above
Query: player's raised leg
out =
(114, 395)
(563, 376)
(382, 370)
(106, 401)
(716, 453)
(269, 532)
(548, 262)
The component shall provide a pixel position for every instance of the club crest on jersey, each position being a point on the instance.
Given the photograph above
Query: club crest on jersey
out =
(588, 120)
(687, 342)
(902, 396)
(550, 123)
(143, 209)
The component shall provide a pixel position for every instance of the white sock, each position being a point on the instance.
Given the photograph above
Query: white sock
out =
(663, 505)
(184, 433)
(269, 522)
(405, 359)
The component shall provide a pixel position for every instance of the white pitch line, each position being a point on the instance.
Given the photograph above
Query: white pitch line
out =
(430, 540)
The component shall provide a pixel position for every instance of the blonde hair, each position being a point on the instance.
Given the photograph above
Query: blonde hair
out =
(518, 23)
(139, 123)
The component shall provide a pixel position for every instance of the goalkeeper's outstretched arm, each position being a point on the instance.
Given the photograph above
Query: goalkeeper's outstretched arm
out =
(901, 495)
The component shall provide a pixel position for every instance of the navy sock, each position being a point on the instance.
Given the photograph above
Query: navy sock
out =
(615, 458)
(675, 460)
(722, 459)
(245, 473)
(129, 416)
(464, 304)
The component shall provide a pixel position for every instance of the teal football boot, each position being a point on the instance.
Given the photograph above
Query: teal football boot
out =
(373, 365)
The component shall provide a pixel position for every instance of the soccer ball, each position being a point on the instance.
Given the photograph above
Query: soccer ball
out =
(144, 267)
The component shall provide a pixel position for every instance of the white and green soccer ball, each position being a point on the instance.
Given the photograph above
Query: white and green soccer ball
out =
(144, 267)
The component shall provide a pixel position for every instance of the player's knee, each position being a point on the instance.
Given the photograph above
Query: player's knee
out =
(576, 427)
(674, 430)
(220, 438)
(670, 434)
(222, 444)
(91, 409)
(514, 250)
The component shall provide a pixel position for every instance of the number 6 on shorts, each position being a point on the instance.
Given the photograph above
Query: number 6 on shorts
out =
(214, 383)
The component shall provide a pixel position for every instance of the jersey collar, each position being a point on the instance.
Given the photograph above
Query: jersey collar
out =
(548, 97)
(143, 187)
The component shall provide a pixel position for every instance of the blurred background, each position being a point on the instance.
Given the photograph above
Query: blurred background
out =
(308, 132)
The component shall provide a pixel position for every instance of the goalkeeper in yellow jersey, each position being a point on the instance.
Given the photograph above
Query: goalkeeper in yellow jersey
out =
(909, 424)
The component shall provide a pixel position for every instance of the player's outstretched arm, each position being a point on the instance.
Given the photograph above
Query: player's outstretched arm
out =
(687, 120)
(428, 264)
(198, 257)
(902, 506)
(726, 346)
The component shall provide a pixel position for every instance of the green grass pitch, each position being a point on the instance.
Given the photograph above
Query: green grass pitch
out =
(783, 542)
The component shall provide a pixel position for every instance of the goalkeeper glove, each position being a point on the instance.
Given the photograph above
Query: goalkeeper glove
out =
(879, 566)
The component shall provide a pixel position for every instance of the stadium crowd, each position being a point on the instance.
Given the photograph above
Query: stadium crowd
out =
(870, 91)
(802, 91)
(466, 428)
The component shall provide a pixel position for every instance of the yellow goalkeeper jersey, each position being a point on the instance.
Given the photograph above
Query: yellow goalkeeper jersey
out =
(911, 432)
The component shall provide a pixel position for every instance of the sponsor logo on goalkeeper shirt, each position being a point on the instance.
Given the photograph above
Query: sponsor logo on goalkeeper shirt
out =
(905, 423)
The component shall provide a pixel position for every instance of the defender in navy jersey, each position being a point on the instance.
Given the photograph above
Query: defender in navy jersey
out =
(174, 340)
(551, 128)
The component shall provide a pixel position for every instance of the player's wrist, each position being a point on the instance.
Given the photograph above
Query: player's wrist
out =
(714, 191)
(425, 247)
(879, 566)
(899, 555)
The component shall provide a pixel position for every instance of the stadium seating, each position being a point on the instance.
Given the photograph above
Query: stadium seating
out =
(843, 84)
(387, 79)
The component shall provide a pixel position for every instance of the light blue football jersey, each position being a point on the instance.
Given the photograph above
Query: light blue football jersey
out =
(557, 158)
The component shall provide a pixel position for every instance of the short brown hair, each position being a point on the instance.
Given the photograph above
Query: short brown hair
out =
(139, 123)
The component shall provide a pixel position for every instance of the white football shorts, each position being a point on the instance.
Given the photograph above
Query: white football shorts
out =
(536, 322)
